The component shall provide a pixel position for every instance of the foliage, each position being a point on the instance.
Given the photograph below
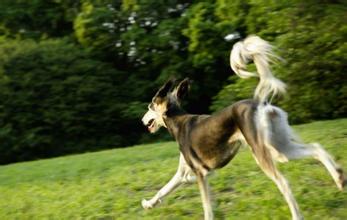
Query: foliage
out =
(317, 57)
(315, 53)
(110, 184)
(56, 99)
(238, 89)
(38, 18)
(77, 75)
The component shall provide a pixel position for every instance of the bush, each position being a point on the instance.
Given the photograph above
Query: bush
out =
(56, 100)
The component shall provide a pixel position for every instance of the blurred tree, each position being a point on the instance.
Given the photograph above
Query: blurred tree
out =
(56, 100)
(311, 38)
(140, 37)
(37, 18)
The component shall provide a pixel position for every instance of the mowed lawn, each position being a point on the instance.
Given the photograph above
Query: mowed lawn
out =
(110, 184)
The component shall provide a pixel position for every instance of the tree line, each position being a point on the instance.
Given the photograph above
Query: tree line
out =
(77, 76)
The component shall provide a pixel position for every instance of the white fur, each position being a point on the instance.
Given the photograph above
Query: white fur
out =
(205, 197)
(264, 116)
(264, 125)
(183, 175)
(157, 116)
(150, 114)
(285, 145)
(255, 49)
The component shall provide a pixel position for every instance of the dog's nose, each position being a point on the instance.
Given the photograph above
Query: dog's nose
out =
(143, 121)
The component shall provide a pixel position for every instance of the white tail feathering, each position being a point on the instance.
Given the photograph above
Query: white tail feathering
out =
(255, 49)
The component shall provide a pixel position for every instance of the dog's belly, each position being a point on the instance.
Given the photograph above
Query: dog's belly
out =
(219, 156)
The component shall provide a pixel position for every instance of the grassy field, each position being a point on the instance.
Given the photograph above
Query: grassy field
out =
(110, 184)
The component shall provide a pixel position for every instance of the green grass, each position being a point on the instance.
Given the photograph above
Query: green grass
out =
(110, 184)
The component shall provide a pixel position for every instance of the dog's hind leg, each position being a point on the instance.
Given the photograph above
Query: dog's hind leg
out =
(255, 133)
(295, 150)
(282, 138)
(183, 175)
(335, 170)
(265, 162)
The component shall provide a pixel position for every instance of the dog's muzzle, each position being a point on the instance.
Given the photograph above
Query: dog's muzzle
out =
(149, 119)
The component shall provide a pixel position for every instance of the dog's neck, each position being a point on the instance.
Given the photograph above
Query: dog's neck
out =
(175, 122)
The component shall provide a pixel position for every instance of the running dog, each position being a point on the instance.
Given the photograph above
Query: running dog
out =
(209, 142)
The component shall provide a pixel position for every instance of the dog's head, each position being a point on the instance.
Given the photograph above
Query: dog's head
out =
(167, 98)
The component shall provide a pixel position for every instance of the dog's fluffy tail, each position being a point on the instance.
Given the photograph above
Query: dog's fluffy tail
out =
(255, 49)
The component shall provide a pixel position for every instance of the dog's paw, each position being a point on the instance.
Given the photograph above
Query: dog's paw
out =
(342, 181)
(146, 204)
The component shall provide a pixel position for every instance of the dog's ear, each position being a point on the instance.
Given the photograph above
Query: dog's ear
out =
(182, 88)
(163, 91)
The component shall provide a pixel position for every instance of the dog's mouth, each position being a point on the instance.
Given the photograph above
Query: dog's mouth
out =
(150, 124)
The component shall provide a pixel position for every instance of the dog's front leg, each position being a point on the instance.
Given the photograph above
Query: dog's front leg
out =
(205, 196)
(176, 180)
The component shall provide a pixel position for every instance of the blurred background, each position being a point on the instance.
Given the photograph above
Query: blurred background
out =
(77, 75)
